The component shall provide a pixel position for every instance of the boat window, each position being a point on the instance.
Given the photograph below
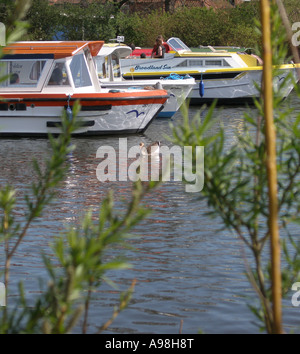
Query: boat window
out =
(191, 62)
(195, 62)
(183, 63)
(116, 66)
(59, 75)
(21, 73)
(213, 62)
(80, 72)
(36, 70)
(101, 67)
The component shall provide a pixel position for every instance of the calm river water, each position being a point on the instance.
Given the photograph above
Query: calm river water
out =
(188, 273)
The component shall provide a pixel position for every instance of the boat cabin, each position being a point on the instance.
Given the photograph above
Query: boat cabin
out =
(107, 62)
(49, 66)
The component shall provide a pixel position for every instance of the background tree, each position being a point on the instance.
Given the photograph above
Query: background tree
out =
(43, 19)
(93, 22)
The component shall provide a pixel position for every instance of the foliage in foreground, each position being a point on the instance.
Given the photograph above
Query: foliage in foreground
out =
(236, 183)
(235, 190)
(79, 267)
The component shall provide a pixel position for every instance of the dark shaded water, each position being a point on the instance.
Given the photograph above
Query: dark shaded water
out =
(187, 272)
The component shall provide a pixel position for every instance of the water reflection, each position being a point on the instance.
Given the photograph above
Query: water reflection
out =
(185, 269)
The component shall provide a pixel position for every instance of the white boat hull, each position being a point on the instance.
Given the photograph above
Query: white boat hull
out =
(242, 88)
(239, 87)
(135, 120)
(178, 91)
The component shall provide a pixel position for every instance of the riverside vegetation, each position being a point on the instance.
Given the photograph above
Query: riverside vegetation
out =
(236, 189)
(104, 21)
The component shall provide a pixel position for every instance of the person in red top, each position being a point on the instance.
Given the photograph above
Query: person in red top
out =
(165, 44)
(158, 49)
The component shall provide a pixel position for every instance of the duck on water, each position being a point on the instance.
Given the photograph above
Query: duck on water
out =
(152, 149)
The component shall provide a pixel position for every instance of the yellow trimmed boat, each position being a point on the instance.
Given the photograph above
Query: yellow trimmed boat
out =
(229, 76)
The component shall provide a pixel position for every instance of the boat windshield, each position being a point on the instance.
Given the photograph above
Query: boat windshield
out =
(21, 73)
(101, 67)
(177, 44)
(108, 67)
(116, 66)
(80, 71)
(59, 75)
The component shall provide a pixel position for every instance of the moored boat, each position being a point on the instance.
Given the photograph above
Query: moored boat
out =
(231, 77)
(43, 78)
(109, 71)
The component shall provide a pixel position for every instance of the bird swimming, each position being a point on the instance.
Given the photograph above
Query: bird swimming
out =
(152, 149)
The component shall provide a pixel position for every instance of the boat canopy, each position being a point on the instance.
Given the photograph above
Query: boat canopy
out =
(107, 62)
(120, 50)
(30, 66)
(55, 49)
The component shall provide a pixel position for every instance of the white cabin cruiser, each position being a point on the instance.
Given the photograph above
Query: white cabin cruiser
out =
(43, 78)
(109, 71)
(230, 77)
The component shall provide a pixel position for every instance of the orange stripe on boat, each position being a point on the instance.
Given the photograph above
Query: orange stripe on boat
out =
(92, 99)
(58, 49)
